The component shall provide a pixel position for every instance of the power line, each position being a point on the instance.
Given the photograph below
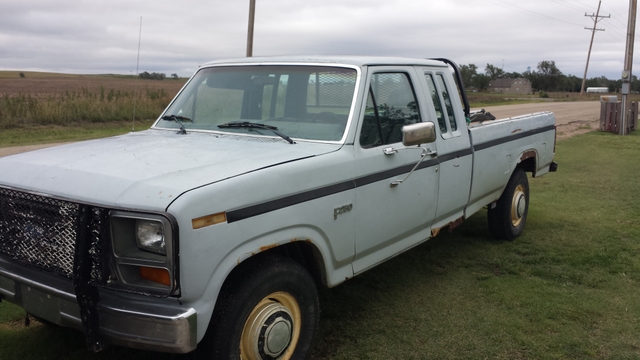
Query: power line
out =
(523, 10)
(567, 5)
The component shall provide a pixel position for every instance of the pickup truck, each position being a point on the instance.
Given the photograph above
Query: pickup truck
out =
(264, 179)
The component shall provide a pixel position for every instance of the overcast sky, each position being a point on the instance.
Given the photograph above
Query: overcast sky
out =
(96, 37)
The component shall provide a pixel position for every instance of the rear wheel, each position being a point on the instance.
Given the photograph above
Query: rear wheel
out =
(508, 217)
(267, 310)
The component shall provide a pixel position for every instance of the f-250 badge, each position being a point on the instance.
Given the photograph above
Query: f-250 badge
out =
(341, 210)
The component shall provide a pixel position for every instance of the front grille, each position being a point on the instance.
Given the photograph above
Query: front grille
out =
(38, 230)
(43, 232)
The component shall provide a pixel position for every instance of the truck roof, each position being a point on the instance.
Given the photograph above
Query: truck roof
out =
(324, 59)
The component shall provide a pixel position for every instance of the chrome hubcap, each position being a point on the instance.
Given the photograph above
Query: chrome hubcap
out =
(278, 335)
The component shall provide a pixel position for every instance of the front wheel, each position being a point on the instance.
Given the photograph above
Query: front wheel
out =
(507, 218)
(266, 310)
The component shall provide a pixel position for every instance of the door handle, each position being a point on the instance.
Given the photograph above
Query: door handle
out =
(432, 153)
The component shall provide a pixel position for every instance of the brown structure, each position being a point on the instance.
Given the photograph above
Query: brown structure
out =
(611, 117)
(511, 86)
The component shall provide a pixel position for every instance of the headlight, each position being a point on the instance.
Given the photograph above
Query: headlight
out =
(144, 257)
(150, 236)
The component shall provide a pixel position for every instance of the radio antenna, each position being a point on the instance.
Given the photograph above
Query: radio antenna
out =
(135, 87)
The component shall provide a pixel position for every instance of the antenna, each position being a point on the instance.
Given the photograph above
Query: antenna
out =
(135, 87)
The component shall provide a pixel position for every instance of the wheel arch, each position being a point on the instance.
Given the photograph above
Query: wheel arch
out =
(527, 161)
(302, 251)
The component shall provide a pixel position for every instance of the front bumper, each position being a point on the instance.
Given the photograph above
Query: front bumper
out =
(136, 321)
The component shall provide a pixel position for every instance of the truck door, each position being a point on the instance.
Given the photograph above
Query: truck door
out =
(390, 219)
(454, 147)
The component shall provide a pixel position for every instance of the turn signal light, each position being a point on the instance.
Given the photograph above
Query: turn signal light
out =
(209, 220)
(160, 276)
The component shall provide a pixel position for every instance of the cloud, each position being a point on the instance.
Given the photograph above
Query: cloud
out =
(102, 37)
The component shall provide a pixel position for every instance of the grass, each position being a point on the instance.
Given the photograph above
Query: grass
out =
(85, 106)
(566, 289)
(42, 134)
(480, 99)
(66, 99)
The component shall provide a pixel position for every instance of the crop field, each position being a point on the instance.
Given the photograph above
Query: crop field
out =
(45, 84)
(63, 99)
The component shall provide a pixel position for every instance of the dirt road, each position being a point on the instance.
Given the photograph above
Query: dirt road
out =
(572, 118)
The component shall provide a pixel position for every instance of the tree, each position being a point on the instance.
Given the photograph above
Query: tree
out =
(152, 76)
(468, 72)
(493, 72)
(548, 76)
(174, 76)
(571, 83)
(481, 82)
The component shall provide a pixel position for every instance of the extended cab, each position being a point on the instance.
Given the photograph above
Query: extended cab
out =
(263, 179)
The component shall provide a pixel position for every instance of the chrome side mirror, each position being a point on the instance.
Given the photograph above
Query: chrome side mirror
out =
(419, 133)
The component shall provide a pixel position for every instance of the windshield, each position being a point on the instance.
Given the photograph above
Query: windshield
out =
(303, 102)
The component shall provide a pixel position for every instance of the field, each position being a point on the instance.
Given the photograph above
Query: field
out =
(40, 84)
(66, 100)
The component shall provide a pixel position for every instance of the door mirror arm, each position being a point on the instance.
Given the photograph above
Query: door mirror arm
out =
(422, 156)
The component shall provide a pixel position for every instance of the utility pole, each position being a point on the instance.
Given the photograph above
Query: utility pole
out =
(595, 18)
(252, 11)
(628, 64)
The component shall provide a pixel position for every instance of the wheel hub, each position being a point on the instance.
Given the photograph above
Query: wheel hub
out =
(518, 205)
(270, 329)
(278, 335)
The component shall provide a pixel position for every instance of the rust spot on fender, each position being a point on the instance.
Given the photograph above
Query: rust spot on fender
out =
(267, 247)
(528, 154)
(451, 225)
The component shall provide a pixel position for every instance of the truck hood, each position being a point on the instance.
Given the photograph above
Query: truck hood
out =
(146, 170)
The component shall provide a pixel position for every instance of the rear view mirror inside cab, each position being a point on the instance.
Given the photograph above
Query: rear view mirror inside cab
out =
(419, 133)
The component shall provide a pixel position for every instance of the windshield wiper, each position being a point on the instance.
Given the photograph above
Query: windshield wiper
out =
(177, 119)
(252, 125)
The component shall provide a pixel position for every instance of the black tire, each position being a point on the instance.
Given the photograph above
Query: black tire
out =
(268, 309)
(507, 218)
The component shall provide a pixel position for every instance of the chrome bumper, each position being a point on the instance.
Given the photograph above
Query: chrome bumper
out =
(136, 321)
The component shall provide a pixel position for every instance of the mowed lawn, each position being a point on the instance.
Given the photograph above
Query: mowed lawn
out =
(567, 289)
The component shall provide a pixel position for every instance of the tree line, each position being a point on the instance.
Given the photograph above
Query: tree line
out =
(155, 76)
(547, 77)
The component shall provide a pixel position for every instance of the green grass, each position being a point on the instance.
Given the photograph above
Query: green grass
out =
(566, 289)
(86, 106)
(42, 134)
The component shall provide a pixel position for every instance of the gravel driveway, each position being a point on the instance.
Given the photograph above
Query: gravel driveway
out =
(572, 118)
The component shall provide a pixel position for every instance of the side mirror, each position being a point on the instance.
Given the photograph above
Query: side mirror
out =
(419, 133)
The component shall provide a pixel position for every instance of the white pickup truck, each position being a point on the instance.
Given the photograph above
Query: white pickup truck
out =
(263, 179)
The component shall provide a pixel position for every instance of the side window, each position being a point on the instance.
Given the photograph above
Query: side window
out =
(442, 122)
(447, 102)
(391, 105)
